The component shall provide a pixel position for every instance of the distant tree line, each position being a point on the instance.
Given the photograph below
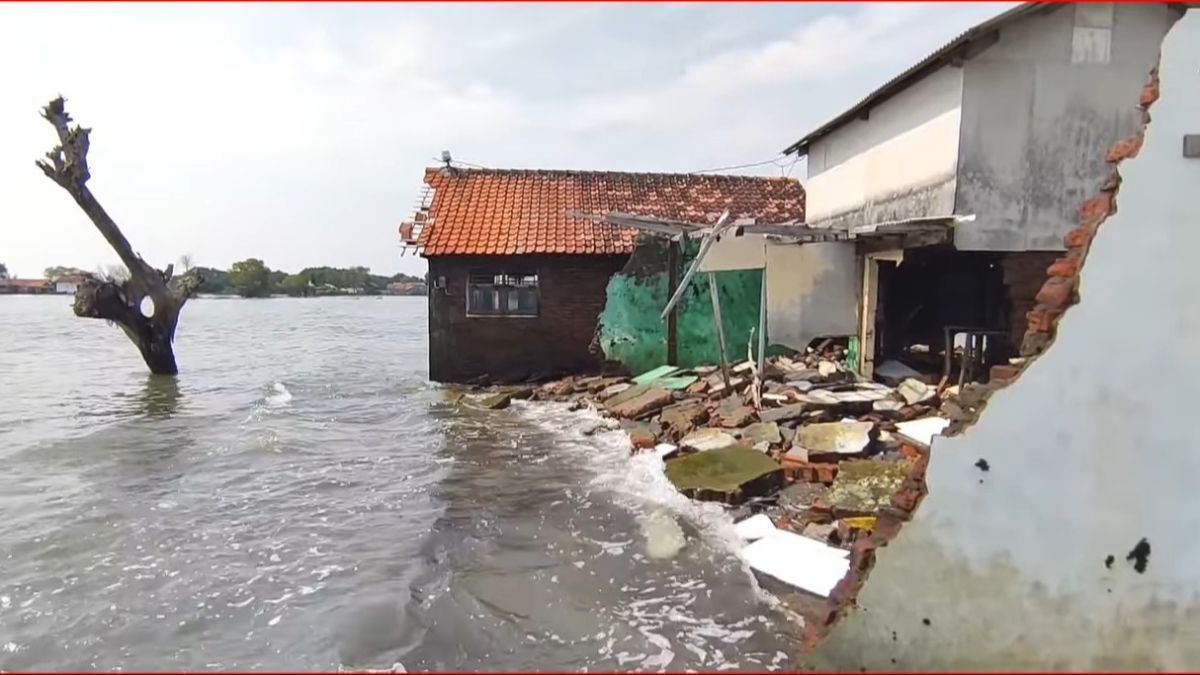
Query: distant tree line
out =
(251, 278)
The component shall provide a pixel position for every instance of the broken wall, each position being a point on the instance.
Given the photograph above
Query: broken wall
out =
(632, 332)
(812, 292)
(1039, 562)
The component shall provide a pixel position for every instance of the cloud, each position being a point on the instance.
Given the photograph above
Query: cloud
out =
(297, 133)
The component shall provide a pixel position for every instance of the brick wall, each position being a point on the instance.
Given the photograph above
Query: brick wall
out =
(514, 349)
(1024, 274)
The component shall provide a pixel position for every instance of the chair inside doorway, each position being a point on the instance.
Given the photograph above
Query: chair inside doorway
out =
(943, 313)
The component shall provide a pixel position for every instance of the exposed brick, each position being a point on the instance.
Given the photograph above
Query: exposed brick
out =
(554, 343)
(1056, 293)
(1003, 372)
(1080, 235)
(1124, 149)
(1035, 342)
(1041, 319)
(1113, 182)
(815, 473)
(906, 498)
(1150, 90)
(642, 439)
(1091, 210)
(1064, 267)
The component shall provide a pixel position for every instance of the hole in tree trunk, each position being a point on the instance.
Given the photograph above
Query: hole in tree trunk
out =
(147, 307)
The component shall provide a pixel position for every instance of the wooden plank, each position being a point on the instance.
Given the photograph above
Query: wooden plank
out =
(720, 330)
(707, 244)
(762, 325)
(672, 318)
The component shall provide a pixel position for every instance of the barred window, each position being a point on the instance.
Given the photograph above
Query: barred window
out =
(502, 294)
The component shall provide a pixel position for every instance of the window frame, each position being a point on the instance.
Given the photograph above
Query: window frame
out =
(510, 281)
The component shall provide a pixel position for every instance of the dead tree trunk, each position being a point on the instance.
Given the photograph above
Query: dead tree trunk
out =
(121, 302)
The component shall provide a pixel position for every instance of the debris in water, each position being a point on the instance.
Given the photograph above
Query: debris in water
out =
(664, 537)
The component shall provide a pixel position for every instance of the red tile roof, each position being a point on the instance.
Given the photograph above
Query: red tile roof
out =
(510, 212)
(25, 283)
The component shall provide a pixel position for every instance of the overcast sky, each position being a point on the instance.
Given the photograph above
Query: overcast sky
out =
(298, 133)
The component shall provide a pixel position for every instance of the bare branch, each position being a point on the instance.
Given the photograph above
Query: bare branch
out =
(116, 300)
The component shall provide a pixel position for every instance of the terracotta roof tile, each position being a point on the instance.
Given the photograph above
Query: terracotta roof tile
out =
(510, 211)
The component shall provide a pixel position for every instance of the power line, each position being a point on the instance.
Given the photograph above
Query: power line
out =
(773, 160)
(459, 161)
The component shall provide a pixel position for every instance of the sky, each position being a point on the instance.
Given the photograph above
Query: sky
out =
(298, 133)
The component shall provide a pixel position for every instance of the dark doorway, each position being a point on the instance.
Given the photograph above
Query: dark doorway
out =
(934, 289)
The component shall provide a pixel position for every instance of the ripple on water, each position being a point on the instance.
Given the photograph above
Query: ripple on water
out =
(301, 498)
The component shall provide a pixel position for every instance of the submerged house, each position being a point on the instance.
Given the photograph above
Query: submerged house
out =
(516, 284)
(1001, 124)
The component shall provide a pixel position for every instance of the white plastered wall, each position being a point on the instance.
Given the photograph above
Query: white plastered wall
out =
(1090, 451)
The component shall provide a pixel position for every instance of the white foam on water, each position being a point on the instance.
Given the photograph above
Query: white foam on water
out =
(279, 396)
(639, 483)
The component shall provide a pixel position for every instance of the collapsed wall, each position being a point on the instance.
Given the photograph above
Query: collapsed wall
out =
(1057, 532)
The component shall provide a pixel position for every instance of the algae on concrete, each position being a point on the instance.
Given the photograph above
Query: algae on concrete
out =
(867, 485)
(730, 474)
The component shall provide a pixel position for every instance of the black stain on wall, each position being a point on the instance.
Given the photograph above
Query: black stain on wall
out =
(1140, 556)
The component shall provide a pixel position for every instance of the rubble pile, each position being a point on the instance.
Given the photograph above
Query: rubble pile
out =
(819, 458)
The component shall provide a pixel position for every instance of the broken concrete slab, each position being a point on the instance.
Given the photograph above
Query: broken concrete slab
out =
(783, 414)
(755, 528)
(642, 437)
(497, 401)
(887, 405)
(675, 383)
(863, 486)
(762, 432)
(819, 531)
(798, 561)
(915, 391)
(730, 475)
(797, 454)
(627, 394)
(801, 495)
(601, 384)
(682, 418)
(666, 450)
(833, 441)
(826, 368)
(894, 372)
(652, 375)
(649, 401)
(707, 439)
(921, 431)
(613, 389)
(732, 413)
(802, 375)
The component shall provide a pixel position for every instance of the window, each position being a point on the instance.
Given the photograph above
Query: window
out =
(502, 294)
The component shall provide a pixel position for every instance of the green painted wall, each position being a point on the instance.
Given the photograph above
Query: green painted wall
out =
(632, 332)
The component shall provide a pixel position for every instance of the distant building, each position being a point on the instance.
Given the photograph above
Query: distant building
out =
(67, 284)
(406, 288)
(26, 287)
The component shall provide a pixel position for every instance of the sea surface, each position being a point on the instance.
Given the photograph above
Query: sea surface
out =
(300, 497)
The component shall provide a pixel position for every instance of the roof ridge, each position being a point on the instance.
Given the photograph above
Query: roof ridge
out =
(607, 172)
